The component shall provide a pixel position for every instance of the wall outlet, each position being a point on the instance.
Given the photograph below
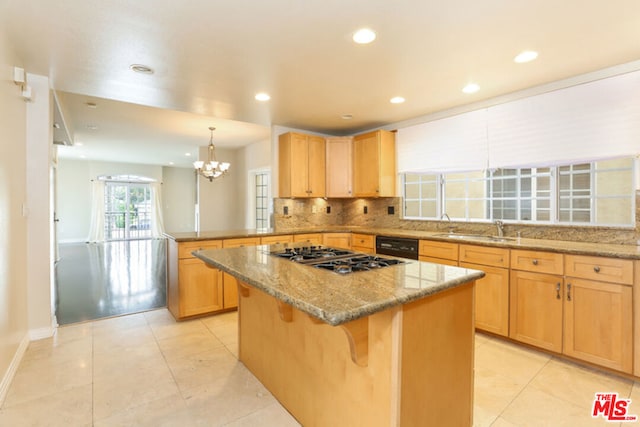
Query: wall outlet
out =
(328, 209)
(285, 210)
(366, 209)
(391, 210)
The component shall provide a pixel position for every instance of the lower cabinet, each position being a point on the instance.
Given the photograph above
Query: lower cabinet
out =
(313, 238)
(201, 288)
(536, 309)
(438, 252)
(230, 282)
(363, 243)
(492, 291)
(337, 240)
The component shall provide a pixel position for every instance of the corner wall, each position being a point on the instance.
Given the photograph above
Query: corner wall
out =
(13, 226)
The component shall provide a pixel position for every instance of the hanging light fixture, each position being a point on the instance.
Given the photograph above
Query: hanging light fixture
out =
(211, 169)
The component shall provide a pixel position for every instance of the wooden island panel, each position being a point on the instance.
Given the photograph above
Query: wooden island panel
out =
(418, 361)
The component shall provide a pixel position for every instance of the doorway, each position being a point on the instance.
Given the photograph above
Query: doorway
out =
(127, 211)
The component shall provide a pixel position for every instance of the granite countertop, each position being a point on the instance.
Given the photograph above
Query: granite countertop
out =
(567, 247)
(332, 297)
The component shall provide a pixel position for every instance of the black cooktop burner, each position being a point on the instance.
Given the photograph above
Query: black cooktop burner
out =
(310, 253)
(357, 263)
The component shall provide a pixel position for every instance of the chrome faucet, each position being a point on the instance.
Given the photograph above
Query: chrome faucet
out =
(445, 215)
(500, 228)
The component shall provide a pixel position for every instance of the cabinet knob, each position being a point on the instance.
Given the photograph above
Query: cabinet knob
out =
(596, 269)
(535, 262)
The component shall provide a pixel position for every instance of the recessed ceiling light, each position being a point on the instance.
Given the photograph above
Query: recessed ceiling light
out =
(91, 105)
(471, 88)
(364, 36)
(262, 96)
(142, 69)
(525, 56)
(79, 144)
(82, 156)
(347, 116)
(92, 127)
(396, 100)
(187, 154)
(171, 163)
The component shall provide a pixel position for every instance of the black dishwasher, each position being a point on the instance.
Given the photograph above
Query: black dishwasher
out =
(397, 246)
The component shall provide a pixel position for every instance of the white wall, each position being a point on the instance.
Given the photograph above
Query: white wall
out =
(73, 200)
(178, 199)
(39, 215)
(221, 204)
(13, 227)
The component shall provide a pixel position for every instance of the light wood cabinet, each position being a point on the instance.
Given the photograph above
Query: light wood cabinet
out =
(598, 316)
(272, 240)
(339, 167)
(536, 309)
(201, 288)
(301, 165)
(193, 287)
(374, 164)
(492, 291)
(312, 238)
(337, 240)
(438, 252)
(230, 282)
(363, 243)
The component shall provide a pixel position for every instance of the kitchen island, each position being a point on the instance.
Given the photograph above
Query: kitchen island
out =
(392, 346)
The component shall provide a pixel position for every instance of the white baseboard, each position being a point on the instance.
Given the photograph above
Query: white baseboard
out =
(41, 333)
(13, 367)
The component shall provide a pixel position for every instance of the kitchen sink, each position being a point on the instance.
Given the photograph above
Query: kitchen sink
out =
(475, 237)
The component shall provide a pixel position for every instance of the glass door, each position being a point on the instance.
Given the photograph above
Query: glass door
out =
(127, 211)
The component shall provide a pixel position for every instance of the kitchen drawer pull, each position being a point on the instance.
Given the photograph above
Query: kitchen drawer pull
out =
(569, 292)
(596, 269)
(535, 262)
(558, 290)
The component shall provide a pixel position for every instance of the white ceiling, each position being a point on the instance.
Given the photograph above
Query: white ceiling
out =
(211, 57)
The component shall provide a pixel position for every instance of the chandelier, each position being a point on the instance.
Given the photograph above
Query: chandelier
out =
(211, 169)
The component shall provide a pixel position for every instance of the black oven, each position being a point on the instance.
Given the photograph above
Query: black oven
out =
(397, 246)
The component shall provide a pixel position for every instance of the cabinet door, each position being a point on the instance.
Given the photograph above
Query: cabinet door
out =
(492, 299)
(366, 165)
(598, 323)
(535, 313)
(200, 288)
(339, 167)
(337, 240)
(299, 165)
(316, 164)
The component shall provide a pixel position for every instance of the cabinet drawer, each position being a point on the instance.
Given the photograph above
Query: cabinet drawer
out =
(613, 270)
(271, 240)
(236, 243)
(434, 249)
(185, 248)
(314, 238)
(540, 262)
(484, 255)
(363, 241)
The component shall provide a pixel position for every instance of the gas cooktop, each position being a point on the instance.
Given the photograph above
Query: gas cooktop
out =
(311, 253)
(341, 261)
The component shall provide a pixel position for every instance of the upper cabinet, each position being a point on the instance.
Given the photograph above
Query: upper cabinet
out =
(301, 165)
(339, 167)
(374, 164)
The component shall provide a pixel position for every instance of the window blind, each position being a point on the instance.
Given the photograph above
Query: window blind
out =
(457, 143)
(591, 121)
(587, 122)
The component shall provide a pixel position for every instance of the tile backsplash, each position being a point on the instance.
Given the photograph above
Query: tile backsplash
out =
(312, 213)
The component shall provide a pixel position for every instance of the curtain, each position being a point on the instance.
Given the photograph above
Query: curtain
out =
(157, 223)
(96, 230)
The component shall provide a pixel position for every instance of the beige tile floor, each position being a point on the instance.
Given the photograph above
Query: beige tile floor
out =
(147, 370)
